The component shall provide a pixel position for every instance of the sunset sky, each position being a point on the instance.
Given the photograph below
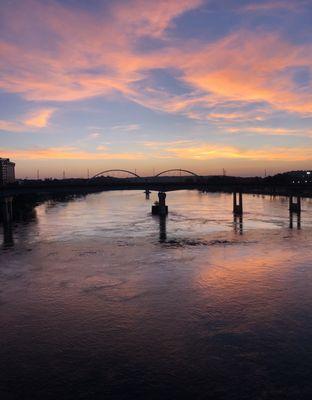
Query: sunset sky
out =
(151, 85)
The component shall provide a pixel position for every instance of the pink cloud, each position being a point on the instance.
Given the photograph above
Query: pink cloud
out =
(68, 153)
(70, 63)
(251, 67)
(206, 151)
(39, 118)
(151, 18)
(35, 120)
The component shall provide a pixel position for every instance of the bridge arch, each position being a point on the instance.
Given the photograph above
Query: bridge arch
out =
(175, 170)
(115, 170)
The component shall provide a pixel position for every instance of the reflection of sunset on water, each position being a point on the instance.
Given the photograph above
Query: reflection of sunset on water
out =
(186, 299)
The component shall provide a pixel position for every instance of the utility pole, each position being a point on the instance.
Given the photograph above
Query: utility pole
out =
(63, 174)
(88, 173)
(38, 175)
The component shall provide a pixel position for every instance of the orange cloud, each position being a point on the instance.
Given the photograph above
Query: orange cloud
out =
(68, 153)
(210, 151)
(101, 59)
(184, 150)
(11, 126)
(251, 67)
(40, 118)
(35, 120)
(271, 131)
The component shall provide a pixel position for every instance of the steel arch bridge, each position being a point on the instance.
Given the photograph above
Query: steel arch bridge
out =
(177, 170)
(115, 170)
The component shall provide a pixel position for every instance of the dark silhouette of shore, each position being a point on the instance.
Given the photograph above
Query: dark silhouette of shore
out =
(291, 183)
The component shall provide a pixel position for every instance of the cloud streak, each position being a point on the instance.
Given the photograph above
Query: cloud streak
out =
(35, 120)
(269, 6)
(211, 151)
(183, 150)
(68, 153)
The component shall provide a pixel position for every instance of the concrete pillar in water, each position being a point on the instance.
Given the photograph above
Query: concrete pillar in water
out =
(6, 216)
(6, 209)
(160, 208)
(147, 194)
(163, 209)
(295, 207)
(237, 207)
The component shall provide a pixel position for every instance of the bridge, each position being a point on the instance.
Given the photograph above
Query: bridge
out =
(115, 170)
(134, 174)
(177, 170)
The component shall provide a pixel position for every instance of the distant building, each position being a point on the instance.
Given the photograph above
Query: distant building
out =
(7, 171)
(301, 177)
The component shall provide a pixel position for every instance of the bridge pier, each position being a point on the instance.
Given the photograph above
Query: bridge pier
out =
(237, 206)
(6, 216)
(147, 194)
(160, 207)
(294, 207)
(6, 209)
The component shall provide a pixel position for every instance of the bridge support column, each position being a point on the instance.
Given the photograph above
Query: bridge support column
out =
(295, 207)
(237, 206)
(160, 207)
(147, 194)
(6, 209)
(6, 216)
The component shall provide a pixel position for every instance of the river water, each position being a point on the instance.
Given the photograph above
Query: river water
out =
(100, 300)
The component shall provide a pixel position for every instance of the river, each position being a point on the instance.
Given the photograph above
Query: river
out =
(99, 299)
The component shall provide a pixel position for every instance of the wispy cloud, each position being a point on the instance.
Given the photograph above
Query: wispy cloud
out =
(269, 6)
(33, 121)
(243, 67)
(183, 150)
(39, 118)
(11, 126)
(270, 131)
(211, 151)
(94, 135)
(126, 127)
(68, 153)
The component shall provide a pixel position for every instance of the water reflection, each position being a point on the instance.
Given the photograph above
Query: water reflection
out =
(109, 311)
(8, 239)
(147, 194)
(125, 214)
(162, 228)
(19, 216)
(238, 224)
(297, 218)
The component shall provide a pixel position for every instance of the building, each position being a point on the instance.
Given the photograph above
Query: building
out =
(7, 171)
(301, 177)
